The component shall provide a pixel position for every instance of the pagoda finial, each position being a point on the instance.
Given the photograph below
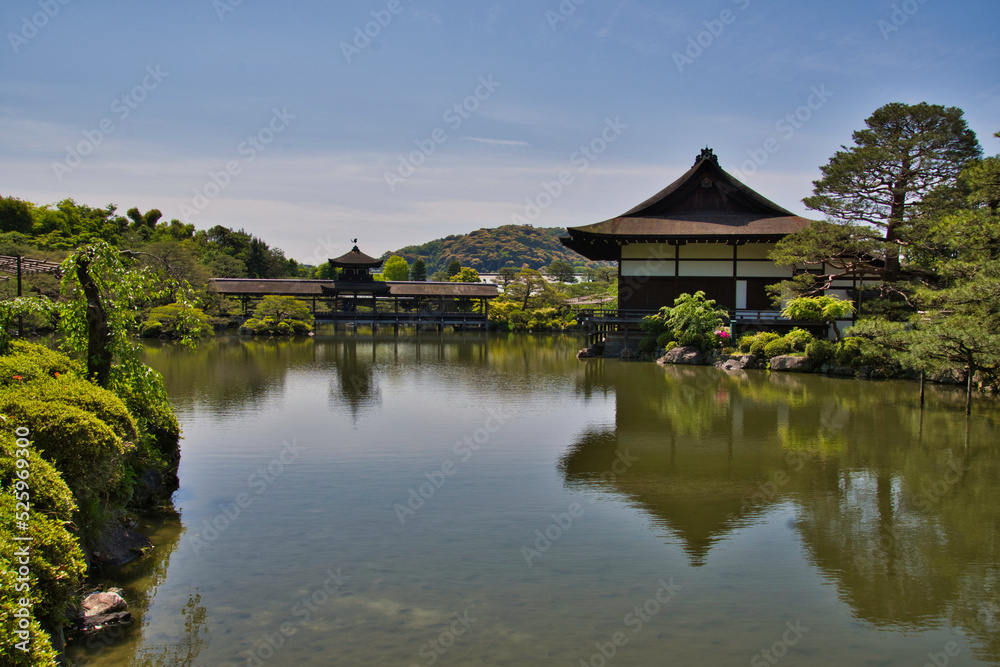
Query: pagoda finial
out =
(707, 154)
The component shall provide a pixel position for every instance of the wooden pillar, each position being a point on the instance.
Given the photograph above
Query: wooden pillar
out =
(20, 318)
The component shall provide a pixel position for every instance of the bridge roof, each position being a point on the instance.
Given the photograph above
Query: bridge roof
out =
(309, 288)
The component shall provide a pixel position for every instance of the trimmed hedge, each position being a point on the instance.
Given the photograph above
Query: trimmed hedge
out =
(28, 361)
(821, 351)
(49, 493)
(84, 449)
(86, 396)
(40, 649)
(777, 348)
(56, 562)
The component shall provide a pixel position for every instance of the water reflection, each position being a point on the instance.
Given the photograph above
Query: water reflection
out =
(899, 507)
(140, 580)
(185, 650)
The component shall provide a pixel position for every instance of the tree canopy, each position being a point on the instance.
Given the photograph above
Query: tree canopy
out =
(396, 268)
(877, 193)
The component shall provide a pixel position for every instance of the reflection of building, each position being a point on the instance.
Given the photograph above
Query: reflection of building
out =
(893, 504)
(706, 231)
(701, 466)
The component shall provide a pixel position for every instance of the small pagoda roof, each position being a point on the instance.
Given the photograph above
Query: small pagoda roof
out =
(705, 204)
(356, 259)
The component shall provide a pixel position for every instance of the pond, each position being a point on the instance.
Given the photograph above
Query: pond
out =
(488, 499)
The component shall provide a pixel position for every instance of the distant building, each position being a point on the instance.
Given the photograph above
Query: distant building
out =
(706, 232)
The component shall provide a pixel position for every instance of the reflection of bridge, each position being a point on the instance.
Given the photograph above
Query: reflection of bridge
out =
(392, 303)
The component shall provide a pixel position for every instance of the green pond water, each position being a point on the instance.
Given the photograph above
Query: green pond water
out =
(490, 500)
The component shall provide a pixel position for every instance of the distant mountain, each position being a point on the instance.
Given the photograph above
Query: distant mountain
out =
(488, 250)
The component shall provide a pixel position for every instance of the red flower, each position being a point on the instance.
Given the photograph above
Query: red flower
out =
(18, 377)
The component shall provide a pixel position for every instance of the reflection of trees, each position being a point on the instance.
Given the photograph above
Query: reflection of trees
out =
(227, 372)
(185, 652)
(140, 579)
(894, 505)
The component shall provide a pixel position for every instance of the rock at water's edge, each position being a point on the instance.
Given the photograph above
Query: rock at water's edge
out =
(682, 355)
(792, 364)
(739, 362)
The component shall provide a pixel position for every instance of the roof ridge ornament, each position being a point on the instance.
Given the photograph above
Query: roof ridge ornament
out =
(707, 154)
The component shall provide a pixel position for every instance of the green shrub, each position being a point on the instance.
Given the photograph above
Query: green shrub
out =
(49, 493)
(272, 327)
(84, 449)
(40, 651)
(849, 352)
(821, 351)
(85, 395)
(798, 339)
(656, 324)
(776, 348)
(758, 342)
(647, 346)
(31, 361)
(176, 320)
(56, 562)
(671, 345)
(151, 329)
(664, 339)
(160, 431)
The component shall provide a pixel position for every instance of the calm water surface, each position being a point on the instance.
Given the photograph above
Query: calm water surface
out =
(491, 500)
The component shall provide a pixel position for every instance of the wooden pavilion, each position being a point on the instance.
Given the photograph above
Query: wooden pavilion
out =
(705, 231)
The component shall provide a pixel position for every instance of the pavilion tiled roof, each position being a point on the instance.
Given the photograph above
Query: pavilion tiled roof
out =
(356, 259)
(705, 204)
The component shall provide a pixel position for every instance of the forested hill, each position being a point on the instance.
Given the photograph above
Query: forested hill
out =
(488, 250)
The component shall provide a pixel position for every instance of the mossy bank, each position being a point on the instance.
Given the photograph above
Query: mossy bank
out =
(75, 460)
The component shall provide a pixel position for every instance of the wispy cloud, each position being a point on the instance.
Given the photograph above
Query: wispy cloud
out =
(497, 142)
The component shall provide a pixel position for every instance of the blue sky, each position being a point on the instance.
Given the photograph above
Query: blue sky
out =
(288, 120)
